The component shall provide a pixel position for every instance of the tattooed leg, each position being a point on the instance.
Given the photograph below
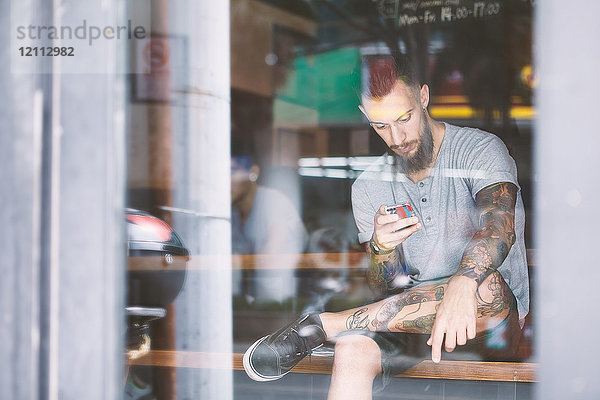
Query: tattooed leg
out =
(407, 307)
(414, 310)
(410, 311)
(358, 320)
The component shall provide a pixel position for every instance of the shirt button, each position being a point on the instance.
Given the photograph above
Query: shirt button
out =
(424, 199)
(428, 219)
(421, 184)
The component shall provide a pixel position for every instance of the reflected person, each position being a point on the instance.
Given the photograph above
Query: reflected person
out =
(263, 222)
(453, 274)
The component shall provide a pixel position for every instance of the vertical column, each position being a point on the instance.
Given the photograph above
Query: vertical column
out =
(88, 221)
(20, 180)
(62, 173)
(567, 165)
(201, 133)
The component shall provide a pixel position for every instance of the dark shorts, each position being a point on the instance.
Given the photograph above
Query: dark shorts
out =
(400, 351)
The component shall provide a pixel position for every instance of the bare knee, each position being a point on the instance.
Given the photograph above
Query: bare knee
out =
(357, 354)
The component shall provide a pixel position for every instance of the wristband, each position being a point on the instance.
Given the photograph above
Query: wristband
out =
(375, 249)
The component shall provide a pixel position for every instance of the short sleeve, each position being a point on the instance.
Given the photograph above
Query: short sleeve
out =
(489, 162)
(363, 211)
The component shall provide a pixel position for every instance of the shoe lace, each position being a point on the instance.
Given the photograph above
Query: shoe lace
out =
(292, 343)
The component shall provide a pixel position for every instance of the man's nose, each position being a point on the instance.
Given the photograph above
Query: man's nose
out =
(398, 134)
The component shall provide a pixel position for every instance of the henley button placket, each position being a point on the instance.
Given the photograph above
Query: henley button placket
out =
(424, 209)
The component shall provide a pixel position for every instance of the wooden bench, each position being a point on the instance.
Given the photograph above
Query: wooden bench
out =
(458, 370)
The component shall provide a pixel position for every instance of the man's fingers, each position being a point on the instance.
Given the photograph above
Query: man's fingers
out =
(404, 222)
(471, 329)
(393, 239)
(389, 236)
(450, 340)
(436, 345)
(461, 337)
(385, 219)
(404, 234)
(411, 229)
(391, 230)
(398, 236)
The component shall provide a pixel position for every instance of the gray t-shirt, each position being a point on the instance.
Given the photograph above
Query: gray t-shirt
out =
(468, 161)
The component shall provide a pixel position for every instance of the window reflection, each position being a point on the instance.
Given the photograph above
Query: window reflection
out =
(287, 239)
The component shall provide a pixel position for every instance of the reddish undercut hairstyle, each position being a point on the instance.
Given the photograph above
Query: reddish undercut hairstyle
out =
(384, 72)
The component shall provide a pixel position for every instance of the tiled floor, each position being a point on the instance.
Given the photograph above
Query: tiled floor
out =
(314, 387)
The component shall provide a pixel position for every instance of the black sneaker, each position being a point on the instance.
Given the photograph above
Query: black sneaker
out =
(275, 355)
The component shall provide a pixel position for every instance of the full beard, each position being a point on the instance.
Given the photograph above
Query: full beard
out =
(423, 156)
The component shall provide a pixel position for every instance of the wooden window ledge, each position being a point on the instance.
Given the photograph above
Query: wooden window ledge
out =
(460, 370)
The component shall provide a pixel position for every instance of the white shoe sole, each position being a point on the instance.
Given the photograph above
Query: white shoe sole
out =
(248, 366)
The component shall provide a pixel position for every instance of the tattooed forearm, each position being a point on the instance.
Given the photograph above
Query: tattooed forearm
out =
(358, 320)
(397, 303)
(382, 271)
(422, 324)
(501, 298)
(491, 243)
(477, 262)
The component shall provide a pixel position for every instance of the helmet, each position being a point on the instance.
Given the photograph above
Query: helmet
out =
(157, 261)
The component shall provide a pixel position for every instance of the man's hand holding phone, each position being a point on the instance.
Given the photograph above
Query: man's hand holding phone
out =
(391, 229)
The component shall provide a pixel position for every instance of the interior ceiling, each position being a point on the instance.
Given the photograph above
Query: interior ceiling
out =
(343, 22)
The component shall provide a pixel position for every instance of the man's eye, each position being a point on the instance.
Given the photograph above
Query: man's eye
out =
(379, 127)
(406, 118)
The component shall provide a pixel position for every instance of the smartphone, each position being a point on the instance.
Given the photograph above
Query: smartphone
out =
(403, 210)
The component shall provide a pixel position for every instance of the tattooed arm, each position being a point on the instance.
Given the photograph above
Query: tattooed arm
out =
(456, 315)
(496, 235)
(389, 231)
(383, 269)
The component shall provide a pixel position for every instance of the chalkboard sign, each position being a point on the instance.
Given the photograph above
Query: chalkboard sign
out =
(406, 13)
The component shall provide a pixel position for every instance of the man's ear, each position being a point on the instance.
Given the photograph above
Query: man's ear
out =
(424, 95)
(253, 173)
(362, 110)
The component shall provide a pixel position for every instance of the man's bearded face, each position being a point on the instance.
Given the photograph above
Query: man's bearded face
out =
(400, 119)
(422, 157)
